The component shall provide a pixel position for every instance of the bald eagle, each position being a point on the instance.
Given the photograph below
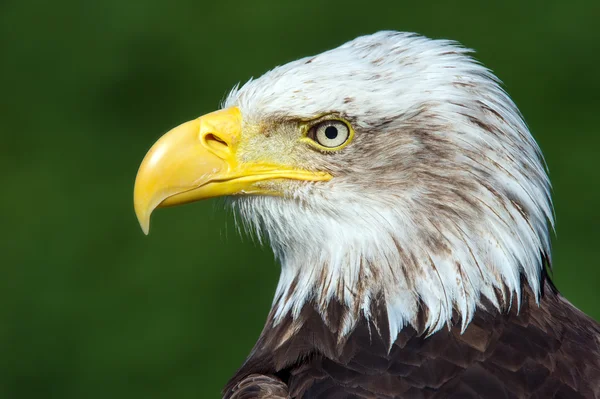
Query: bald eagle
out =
(410, 209)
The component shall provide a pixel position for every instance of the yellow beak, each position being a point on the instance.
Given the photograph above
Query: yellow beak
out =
(198, 160)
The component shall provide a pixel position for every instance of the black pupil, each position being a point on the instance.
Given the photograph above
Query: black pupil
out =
(331, 132)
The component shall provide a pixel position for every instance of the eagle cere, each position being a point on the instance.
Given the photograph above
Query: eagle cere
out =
(410, 209)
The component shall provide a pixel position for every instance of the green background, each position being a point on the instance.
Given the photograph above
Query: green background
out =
(89, 306)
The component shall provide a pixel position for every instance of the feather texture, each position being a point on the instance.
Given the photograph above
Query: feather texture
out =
(442, 199)
(545, 351)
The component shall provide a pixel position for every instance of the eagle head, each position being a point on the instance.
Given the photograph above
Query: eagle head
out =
(392, 171)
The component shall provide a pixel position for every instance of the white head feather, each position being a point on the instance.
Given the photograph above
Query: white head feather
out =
(441, 200)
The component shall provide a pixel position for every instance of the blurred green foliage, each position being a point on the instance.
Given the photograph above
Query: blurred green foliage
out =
(89, 306)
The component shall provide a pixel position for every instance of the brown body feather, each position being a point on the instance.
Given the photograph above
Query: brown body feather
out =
(546, 351)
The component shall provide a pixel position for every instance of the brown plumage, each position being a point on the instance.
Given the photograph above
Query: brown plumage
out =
(550, 351)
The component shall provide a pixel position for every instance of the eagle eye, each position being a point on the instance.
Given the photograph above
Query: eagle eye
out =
(330, 134)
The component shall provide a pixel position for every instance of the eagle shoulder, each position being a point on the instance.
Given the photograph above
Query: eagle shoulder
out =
(538, 350)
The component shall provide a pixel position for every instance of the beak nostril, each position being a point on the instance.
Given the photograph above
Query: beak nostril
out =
(215, 143)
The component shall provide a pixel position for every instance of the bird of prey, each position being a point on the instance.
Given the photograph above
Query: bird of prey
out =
(410, 210)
